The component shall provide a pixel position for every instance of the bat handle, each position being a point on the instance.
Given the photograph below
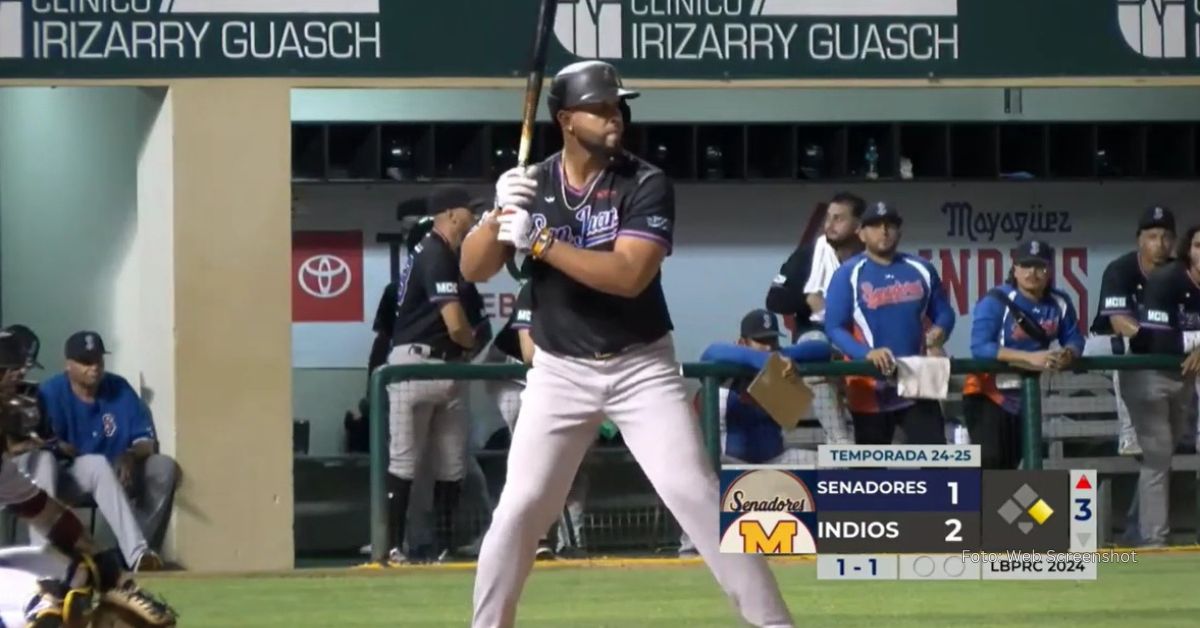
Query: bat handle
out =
(526, 147)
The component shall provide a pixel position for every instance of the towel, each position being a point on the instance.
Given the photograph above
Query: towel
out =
(824, 262)
(919, 377)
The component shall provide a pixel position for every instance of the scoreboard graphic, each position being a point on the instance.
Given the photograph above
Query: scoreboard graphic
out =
(914, 512)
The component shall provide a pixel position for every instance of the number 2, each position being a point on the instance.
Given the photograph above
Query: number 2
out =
(956, 527)
(1085, 511)
(953, 492)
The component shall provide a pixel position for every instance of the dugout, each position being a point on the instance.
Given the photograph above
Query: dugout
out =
(172, 182)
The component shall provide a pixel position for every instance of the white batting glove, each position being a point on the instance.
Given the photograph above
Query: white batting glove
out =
(516, 188)
(516, 228)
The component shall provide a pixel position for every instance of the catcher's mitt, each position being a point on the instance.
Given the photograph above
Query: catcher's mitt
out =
(111, 616)
(130, 603)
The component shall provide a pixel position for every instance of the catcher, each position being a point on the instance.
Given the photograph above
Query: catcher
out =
(69, 584)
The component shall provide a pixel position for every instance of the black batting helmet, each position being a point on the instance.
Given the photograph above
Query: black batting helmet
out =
(586, 82)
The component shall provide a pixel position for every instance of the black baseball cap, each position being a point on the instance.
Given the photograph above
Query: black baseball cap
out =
(12, 353)
(881, 212)
(1156, 217)
(85, 347)
(30, 344)
(760, 325)
(447, 197)
(1034, 252)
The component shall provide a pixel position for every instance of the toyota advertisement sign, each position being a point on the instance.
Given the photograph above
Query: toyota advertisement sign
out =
(327, 276)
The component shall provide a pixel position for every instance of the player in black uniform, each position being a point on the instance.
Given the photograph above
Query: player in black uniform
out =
(799, 291)
(433, 325)
(1162, 404)
(1120, 296)
(597, 222)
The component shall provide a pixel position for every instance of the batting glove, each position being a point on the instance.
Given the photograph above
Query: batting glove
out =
(516, 188)
(516, 228)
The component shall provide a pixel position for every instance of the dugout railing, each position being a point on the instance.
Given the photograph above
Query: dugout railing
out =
(709, 375)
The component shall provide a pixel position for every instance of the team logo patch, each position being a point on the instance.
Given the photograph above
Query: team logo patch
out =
(110, 425)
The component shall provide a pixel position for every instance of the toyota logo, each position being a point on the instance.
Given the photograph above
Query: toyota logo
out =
(324, 276)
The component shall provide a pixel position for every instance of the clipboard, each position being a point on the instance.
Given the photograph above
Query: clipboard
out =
(782, 395)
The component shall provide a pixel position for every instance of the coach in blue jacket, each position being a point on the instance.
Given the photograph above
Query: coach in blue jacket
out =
(97, 412)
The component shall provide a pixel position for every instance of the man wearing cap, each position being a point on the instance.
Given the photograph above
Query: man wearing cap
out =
(748, 434)
(106, 438)
(875, 310)
(1121, 293)
(432, 326)
(1016, 322)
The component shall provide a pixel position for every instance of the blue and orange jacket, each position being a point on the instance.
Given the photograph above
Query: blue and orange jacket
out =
(993, 326)
(870, 306)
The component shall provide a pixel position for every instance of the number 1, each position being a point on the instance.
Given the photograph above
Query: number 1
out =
(872, 561)
(953, 492)
(841, 566)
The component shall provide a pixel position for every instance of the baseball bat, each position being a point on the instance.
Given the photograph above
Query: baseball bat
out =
(537, 72)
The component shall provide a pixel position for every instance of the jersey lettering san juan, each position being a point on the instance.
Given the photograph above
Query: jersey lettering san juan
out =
(631, 198)
(871, 306)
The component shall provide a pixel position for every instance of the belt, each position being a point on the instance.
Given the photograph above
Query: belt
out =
(427, 351)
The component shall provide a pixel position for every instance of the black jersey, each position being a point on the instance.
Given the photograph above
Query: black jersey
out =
(1121, 292)
(1171, 306)
(428, 279)
(629, 198)
(786, 295)
(507, 340)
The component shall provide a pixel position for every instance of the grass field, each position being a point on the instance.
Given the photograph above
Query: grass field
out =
(1159, 590)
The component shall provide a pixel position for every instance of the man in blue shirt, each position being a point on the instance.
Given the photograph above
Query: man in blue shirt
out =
(105, 432)
(748, 434)
(877, 308)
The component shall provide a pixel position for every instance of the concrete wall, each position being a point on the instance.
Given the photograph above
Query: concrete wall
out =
(68, 214)
(160, 219)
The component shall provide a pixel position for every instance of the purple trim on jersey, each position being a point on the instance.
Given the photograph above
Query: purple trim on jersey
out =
(1158, 326)
(1115, 312)
(645, 235)
(521, 326)
(442, 299)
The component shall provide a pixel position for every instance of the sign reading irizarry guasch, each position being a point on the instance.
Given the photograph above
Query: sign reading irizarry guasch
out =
(683, 39)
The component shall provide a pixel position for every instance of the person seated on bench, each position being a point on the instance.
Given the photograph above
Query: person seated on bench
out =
(1016, 322)
(106, 436)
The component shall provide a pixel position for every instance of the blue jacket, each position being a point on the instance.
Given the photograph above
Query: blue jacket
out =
(109, 426)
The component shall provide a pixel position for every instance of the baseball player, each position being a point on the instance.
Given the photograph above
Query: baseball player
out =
(58, 585)
(1121, 289)
(748, 434)
(799, 289)
(515, 343)
(1162, 404)
(597, 222)
(1016, 323)
(875, 310)
(433, 325)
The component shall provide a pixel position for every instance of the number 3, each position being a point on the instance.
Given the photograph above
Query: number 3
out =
(956, 527)
(1085, 511)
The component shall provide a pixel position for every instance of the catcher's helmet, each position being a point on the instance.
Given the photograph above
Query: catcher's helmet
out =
(586, 82)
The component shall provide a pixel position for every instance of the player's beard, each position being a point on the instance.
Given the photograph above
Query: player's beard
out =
(601, 146)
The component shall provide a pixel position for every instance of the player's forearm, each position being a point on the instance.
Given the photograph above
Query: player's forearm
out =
(1013, 356)
(142, 449)
(482, 256)
(816, 301)
(610, 272)
(733, 354)
(1123, 325)
(845, 342)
